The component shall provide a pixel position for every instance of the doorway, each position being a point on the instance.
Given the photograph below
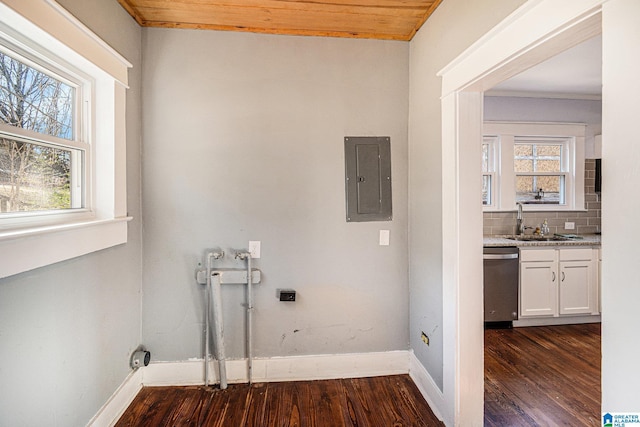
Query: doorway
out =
(564, 89)
(521, 41)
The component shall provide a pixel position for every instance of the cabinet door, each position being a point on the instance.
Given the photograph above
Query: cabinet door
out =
(538, 289)
(576, 285)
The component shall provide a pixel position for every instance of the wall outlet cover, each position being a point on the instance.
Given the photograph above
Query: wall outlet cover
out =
(569, 225)
(384, 237)
(254, 248)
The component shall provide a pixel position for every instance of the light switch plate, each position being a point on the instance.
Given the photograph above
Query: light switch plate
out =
(254, 248)
(384, 237)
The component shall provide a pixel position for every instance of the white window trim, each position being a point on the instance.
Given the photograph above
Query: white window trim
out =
(15, 45)
(494, 170)
(573, 138)
(47, 30)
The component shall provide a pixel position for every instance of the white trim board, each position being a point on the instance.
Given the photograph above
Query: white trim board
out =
(553, 321)
(113, 409)
(533, 33)
(293, 368)
(428, 387)
(69, 34)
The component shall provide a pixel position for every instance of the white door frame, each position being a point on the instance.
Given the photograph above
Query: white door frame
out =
(535, 32)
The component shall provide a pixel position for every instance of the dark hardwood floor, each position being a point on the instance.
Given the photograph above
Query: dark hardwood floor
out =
(542, 376)
(376, 402)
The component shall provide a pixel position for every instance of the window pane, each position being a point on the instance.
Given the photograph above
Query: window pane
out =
(540, 189)
(538, 158)
(486, 189)
(525, 184)
(548, 166)
(523, 165)
(548, 150)
(33, 100)
(34, 177)
(521, 150)
(485, 157)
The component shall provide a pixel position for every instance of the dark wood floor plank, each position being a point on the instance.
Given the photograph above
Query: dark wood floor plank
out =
(387, 405)
(217, 406)
(361, 402)
(358, 407)
(152, 408)
(386, 399)
(189, 400)
(302, 404)
(237, 405)
(543, 376)
(412, 408)
(279, 405)
(256, 404)
(326, 409)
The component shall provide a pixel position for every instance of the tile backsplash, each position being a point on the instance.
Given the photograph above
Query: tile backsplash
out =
(586, 222)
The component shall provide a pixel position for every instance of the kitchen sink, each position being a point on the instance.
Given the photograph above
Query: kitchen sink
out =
(530, 238)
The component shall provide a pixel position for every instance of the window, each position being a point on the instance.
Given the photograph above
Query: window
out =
(540, 171)
(541, 166)
(41, 150)
(488, 170)
(62, 138)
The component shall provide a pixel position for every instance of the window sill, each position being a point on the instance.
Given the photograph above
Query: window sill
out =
(24, 250)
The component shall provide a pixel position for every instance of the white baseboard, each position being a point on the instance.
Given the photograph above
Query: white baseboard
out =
(293, 368)
(427, 387)
(554, 321)
(119, 401)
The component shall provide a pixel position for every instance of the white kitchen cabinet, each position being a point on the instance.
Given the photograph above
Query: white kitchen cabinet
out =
(557, 282)
(538, 282)
(576, 278)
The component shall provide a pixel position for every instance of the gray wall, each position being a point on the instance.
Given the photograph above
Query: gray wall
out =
(243, 140)
(512, 109)
(454, 26)
(67, 330)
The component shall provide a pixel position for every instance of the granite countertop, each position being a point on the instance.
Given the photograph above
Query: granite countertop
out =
(583, 240)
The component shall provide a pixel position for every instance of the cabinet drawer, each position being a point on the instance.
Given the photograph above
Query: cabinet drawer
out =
(577, 254)
(538, 255)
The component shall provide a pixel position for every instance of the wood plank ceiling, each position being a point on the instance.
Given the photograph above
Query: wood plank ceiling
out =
(374, 19)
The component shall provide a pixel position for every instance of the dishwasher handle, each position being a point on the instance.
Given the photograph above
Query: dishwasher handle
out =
(500, 256)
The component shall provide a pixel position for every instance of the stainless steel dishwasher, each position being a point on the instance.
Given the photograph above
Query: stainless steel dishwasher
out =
(501, 271)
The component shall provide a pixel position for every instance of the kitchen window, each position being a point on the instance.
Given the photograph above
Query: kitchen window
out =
(62, 138)
(540, 165)
(541, 170)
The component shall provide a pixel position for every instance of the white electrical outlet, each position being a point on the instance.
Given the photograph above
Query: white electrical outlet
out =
(384, 237)
(569, 225)
(254, 248)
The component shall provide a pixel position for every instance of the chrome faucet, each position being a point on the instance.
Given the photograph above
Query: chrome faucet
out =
(519, 222)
